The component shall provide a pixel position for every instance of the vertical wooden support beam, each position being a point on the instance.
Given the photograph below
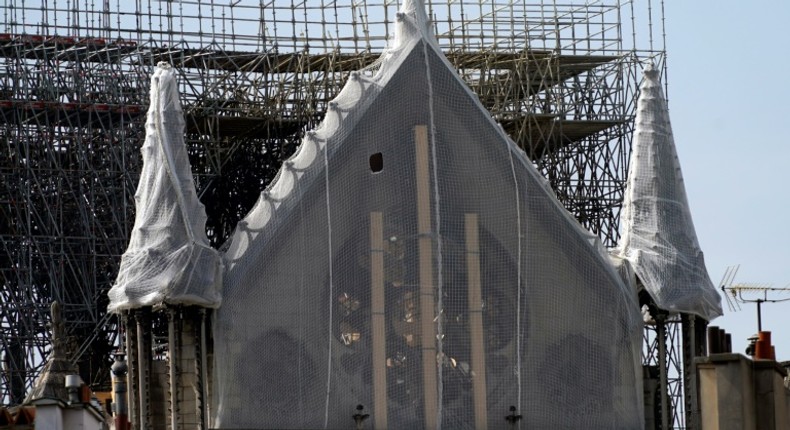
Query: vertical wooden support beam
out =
(143, 367)
(475, 296)
(172, 349)
(661, 331)
(202, 363)
(378, 323)
(694, 330)
(132, 377)
(427, 290)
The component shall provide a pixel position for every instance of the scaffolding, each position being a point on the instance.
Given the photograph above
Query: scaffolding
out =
(671, 341)
(560, 77)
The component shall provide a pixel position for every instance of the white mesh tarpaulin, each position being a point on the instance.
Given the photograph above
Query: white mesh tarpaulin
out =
(410, 259)
(659, 240)
(168, 259)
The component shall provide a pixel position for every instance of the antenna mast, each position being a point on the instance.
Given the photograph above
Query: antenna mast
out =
(739, 293)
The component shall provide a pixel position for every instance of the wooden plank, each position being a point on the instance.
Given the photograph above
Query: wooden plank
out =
(476, 320)
(378, 323)
(427, 291)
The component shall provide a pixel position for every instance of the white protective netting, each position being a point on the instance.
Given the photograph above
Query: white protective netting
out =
(659, 240)
(410, 259)
(168, 259)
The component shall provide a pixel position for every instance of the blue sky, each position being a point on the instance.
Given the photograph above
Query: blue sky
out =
(728, 100)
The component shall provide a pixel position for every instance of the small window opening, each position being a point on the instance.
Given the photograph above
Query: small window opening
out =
(376, 162)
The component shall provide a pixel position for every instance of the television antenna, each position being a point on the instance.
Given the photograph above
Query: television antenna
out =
(757, 293)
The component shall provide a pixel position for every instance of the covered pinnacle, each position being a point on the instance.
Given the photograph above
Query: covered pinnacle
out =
(168, 259)
(658, 236)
